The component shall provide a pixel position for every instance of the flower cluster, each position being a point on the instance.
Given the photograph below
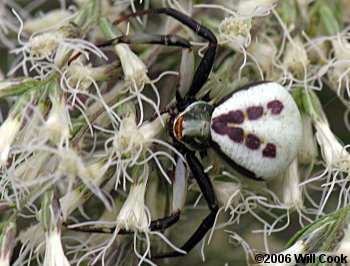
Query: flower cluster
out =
(88, 161)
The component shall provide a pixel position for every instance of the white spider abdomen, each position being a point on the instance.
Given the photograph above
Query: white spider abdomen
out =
(259, 129)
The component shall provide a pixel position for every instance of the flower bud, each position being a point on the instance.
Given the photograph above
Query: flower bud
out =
(134, 215)
(292, 194)
(54, 17)
(308, 149)
(135, 71)
(57, 125)
(8, 131)
(50, 220)
(333, 152)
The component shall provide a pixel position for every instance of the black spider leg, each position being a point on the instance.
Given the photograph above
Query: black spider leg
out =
(207, 189)
(167, 40)
(206, 64)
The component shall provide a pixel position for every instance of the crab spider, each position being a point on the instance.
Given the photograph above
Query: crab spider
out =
(256, 130)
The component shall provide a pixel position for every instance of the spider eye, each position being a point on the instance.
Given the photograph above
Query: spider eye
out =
(178, 127)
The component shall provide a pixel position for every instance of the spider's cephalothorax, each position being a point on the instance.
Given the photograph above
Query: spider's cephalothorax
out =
(192, 126)
(257, 130)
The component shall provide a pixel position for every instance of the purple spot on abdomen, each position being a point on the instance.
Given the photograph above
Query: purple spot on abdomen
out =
(219, 127)
(236, 134)
(252, 142)
(255, 112)
(269, 150)
(234, 117)
(276, 107)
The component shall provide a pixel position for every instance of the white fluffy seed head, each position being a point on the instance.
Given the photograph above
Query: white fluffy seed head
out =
(44, 45)
(134, 215)
(317, 51)
(153, 129)
(340, 74)
(71, 165)
(32, 167)
(73, 199)
(264, 53)
(31, 237)
(295, 58)
(235, 31)
(128, 139)
(79, 76)
(341, 48)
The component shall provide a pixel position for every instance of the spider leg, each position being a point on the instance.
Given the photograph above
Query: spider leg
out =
(167, 40)
(207, 189)
(207, 61)
(185, 77)
(93, 229)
